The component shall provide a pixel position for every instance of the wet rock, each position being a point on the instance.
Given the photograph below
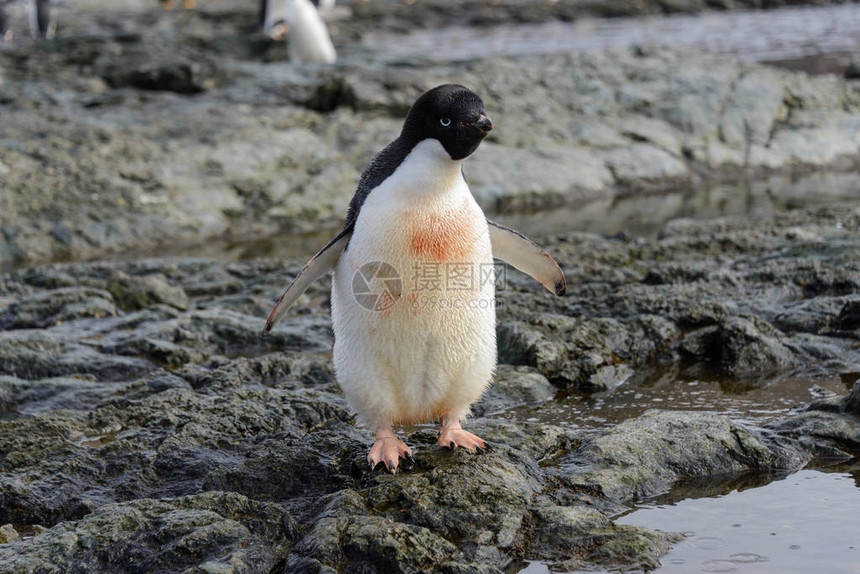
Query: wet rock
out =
(741, 345)
(132, 293)
(823, 426)
(27, 397)
(345, 534)
(852, 403)
(643, 456)
(183, 74)
(820, 315)
(577, 537)
(8, 534)
(49, 308)
(33, 354)
(289, 151)
(213, 531)
(849, 316)
(579, 352)
(512, 387)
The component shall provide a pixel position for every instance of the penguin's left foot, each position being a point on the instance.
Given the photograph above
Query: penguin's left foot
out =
(452, 435)
(388, 450)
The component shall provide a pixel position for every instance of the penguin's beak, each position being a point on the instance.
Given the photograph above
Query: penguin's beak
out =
(484, 124)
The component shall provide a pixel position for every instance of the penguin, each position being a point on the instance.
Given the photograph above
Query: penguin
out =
(40, 19)
(4, 22)
(186, 4)
(425, 347)
(323, 5)
(299, 21)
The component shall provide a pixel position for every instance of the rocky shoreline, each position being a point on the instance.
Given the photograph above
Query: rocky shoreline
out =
(145, 136)
(147, 419)
(145, 422)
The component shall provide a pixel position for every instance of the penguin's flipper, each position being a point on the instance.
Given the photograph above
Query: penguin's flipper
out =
(319, 265)
(524, 254)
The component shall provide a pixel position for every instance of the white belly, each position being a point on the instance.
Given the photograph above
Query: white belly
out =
(430, 349)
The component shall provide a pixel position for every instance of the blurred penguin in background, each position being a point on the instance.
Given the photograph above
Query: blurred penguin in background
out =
(187, 4)
(4, 22)
(40, 19)
(299, 21)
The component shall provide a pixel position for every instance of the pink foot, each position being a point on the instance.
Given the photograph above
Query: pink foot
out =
(452, 435)
(388, 450)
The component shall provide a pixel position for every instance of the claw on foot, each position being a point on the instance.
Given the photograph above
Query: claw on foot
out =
(452, 436)
(388, 450)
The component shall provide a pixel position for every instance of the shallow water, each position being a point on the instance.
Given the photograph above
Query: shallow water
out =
(675, 389)
(791, 35)
(803, 523)
(638, 215)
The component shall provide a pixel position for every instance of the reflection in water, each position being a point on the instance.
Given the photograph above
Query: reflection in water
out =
(635, 215)
(645, 215)
(674, 388)
(804, 522)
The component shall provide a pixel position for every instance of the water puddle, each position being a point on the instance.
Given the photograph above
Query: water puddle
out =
(638, 215)
(671, 388)
(804, 522)
(790, 34)
(758, 523)
(643, 215)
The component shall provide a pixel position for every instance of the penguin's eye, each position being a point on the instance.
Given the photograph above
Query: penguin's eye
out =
(445, 122)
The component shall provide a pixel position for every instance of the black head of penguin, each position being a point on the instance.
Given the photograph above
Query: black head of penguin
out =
(452, 114)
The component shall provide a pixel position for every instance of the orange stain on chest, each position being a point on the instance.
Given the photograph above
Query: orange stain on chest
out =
(447, 235)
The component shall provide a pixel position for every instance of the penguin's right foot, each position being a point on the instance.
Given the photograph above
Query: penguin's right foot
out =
(452, 435)
(388, 450)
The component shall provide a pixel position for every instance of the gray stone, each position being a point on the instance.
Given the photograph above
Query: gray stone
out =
(643, 456)
(579, 536)
(8, 534)
(132, 293)
(209, 532)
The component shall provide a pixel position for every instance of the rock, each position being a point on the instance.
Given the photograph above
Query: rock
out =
(584, 353)
(132, 293)
(644, 163)
(211, 532)
(849, 316)
(183, 74)
(513, 387)
(144, 419)
(345, 534)
(823, 427)
(741, 345)
(28, 398)
(33, 354)
(852, 72)
(288, 154)
(8, 534)
(643, 456)
(579, 536)
(49, 308)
